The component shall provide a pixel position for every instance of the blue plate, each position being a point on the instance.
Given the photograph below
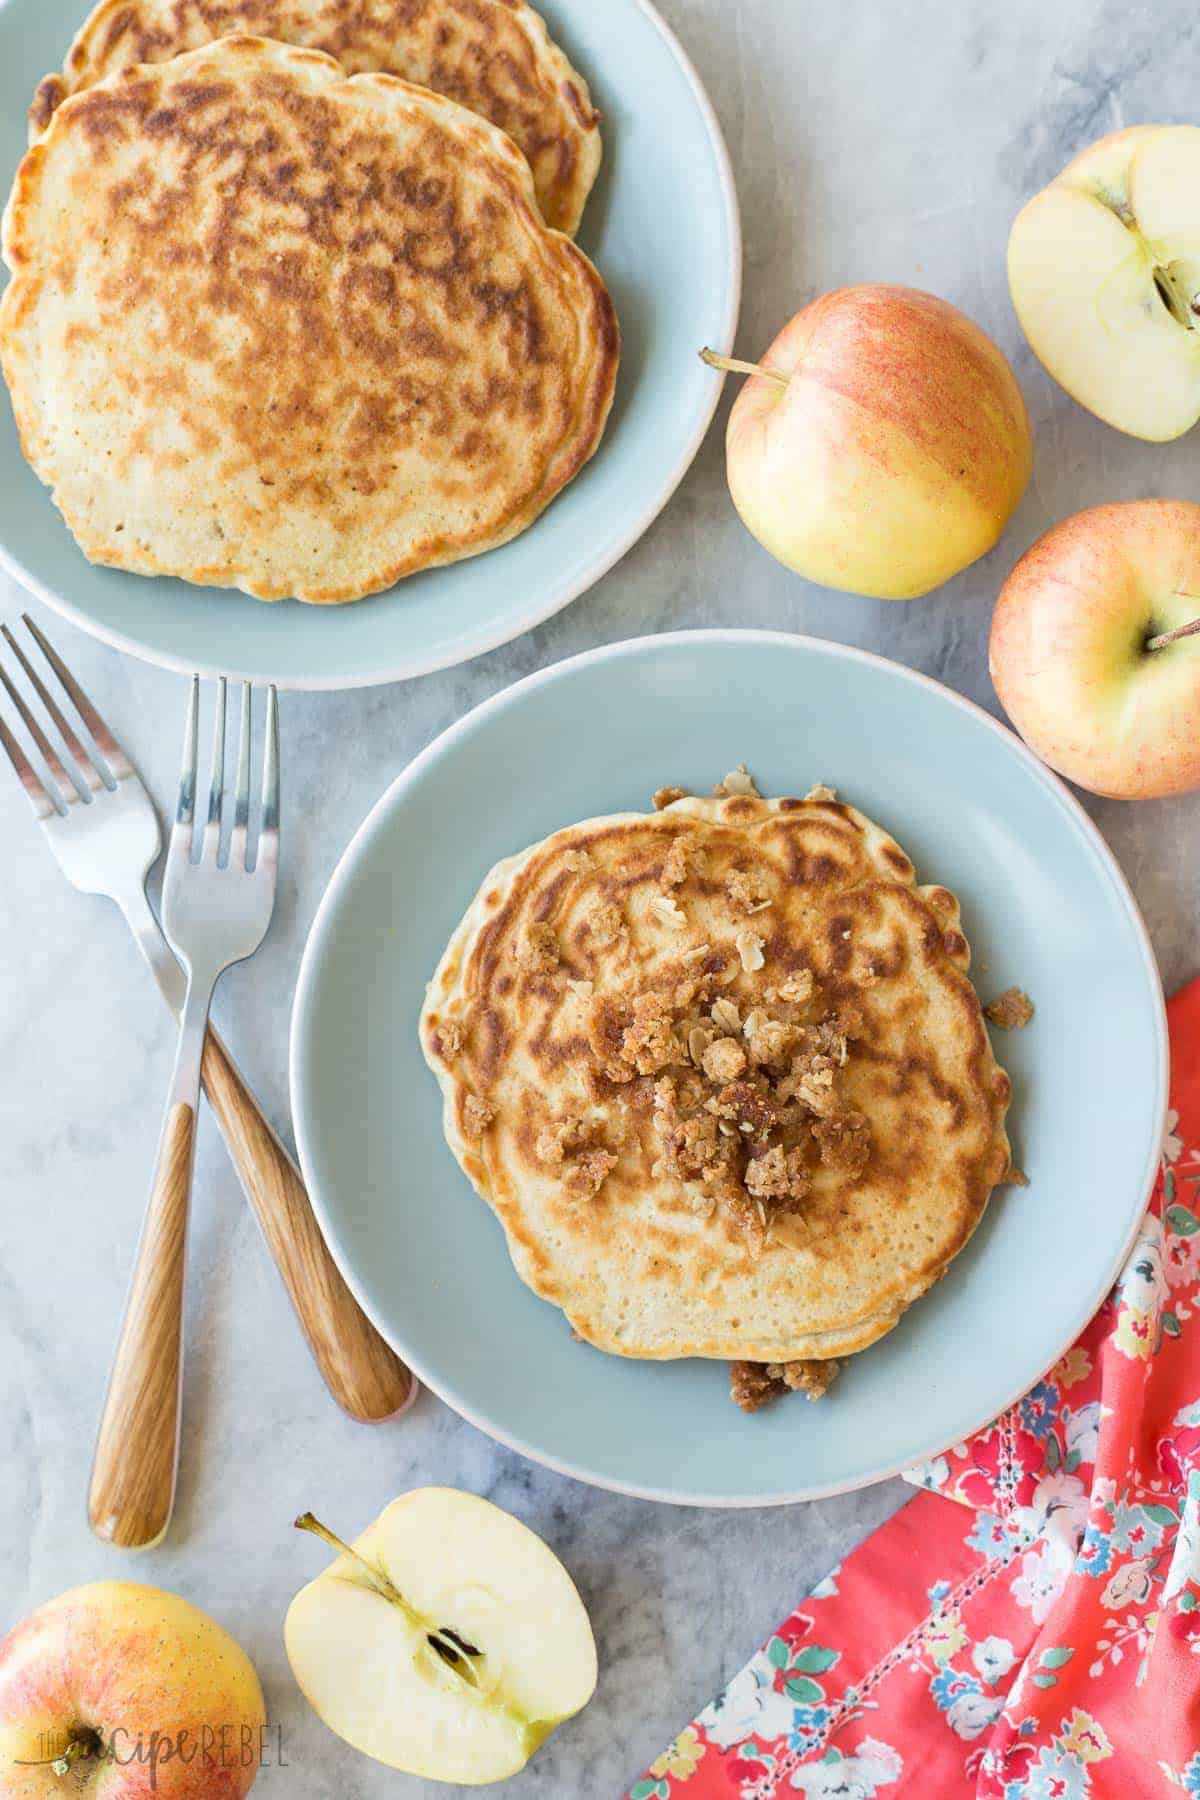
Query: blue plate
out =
(662, 226)
(1045, 907)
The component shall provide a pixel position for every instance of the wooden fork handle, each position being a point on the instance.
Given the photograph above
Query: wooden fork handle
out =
(137, 1452)
(365, 1377)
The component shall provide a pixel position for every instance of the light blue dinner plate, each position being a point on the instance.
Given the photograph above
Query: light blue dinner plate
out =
(662, 226)
(1045, 907)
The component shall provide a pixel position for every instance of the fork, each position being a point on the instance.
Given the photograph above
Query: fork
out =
(103, 829)
(215, 912)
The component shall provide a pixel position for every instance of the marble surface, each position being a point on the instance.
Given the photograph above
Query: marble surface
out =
(896, 147)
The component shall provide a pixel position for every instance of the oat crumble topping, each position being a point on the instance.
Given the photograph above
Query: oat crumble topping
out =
(1011, 1011)
(754, 1385)
(607, 924)
(477, 1116)
(751, 891)
(750, 948)
(588, 1173)
(667, 796)
(678, 863)
(737, 783)
(650, 1042)
(724, 1060)
(449, 1040)
(668, 912)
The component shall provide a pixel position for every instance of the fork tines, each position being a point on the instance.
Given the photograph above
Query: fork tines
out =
(71, 773)
(185, 812)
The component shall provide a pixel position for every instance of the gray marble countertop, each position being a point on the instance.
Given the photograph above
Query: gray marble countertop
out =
(890, 143)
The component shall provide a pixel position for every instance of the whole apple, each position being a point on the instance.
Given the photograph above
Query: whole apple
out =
(881, 445)
(1091, 651)
(121, 1691)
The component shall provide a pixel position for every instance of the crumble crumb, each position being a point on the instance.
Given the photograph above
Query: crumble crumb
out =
(539, 953)
(749, 889)
(556, 1140)
(578, 861)
(677, 865)
(606, 923)
(448, 1040)
(589, 1172)
(1011, 1011)
(649, 1042)
(738, 782)
(778, 1175)
(477, 1116)
(750, 948)
(755, 1385)
(667, 796)
(699, 1038)
(794, 990)
(668, 912)
(844, 1141)
(726, 1016)
(724, 1060)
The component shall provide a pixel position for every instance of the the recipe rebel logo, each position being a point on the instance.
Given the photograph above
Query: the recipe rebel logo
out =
(211, 1747)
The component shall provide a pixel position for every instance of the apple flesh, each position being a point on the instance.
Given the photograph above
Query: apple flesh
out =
(1104, 268)
(1091, 653)
(115, 1689)
(372, 1640)
(881, 445)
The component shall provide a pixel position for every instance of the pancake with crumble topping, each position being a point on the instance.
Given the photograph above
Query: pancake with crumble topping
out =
(722, 1075)
(277, 328)
(495, 57)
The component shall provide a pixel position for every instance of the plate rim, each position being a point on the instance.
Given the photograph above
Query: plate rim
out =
(481, 641)
(445, 741)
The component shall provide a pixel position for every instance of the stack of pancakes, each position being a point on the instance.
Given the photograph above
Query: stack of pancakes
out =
(294, 306)
(722, 1075)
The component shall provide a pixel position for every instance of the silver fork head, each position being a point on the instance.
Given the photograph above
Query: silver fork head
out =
(217, 906)
(92, 806)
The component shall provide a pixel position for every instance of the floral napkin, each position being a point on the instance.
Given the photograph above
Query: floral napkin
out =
(1040, 1640)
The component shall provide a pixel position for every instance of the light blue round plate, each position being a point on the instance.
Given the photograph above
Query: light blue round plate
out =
(1045, 908)
(661, 225)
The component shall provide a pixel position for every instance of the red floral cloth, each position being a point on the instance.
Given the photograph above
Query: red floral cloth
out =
(1041, 1640)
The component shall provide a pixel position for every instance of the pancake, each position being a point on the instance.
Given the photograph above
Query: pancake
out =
(722, 1075)
(493, 56)
(274, 328)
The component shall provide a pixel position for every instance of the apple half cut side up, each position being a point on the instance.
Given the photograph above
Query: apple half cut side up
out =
(447, 1642)
(1104, 270)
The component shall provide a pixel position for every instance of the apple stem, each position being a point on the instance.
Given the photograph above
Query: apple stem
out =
(454, 1651)
(733, 365)
(1163, 638)
(77, 1748)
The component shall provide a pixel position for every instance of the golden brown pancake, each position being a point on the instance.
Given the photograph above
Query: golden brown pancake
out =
(722, 1076)
(493, 56)
(275, 328)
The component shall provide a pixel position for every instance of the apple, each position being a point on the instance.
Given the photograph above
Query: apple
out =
(118, 1690)
(881, 445)
(1104, 268)
(448, 1642)
(1095, 648)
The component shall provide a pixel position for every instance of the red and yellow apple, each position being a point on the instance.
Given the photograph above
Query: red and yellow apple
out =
(881, 445)
(1092, 653)
(117, 1691)
(1104, 269)
(448, 1641)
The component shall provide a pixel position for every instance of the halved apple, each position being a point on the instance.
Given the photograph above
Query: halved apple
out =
(1104, 268)
(448, 1642)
